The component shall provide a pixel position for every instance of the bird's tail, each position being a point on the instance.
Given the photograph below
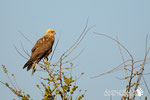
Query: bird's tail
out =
(31, 64)
(34, 67)
(28, 64)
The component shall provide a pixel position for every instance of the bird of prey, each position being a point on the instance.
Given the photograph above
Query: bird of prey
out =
(41, 49)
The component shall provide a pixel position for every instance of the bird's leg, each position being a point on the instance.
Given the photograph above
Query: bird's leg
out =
(46, 58)
(47, 61)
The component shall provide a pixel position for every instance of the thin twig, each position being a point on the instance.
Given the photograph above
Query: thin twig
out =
(55, 47)
(131, 77)
(25, 37)
(78, 38)
(142, 67)
(146, 84)
(78, 42)
(116, 42)
(122, 59)
(112, 70)
(61, 79)
(14, 91)
(10, 81)
(20, 53)
(15, 82)
(25, 50)
(74, 57)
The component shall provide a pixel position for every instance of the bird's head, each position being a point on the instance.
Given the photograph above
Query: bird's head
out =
(50, 32)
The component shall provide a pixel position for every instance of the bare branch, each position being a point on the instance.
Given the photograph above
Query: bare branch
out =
(78, 42)
(78, 38)
(122, 56)
(26, 37)
(74, 57)
(20, 53)
(113, 70)
(142, 67)
(116, 42)
(55, 47)
(25, 50)
(146, 84)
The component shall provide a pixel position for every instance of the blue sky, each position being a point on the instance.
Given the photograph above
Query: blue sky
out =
(126, 19)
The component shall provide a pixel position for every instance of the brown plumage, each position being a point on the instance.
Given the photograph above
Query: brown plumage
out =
(41, 49)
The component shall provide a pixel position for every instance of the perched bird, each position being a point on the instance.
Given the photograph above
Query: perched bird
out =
(41, 49)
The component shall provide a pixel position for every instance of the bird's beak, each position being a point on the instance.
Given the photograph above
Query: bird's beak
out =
(54, 33)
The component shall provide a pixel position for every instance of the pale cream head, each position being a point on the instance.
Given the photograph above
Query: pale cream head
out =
(50, 31)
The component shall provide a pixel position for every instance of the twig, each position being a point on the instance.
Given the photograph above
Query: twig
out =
(78, 42)
(131, 77)
(55, 47)
(14, 91)
(25, 37)
(15, 82)
(78, 38)
(20, 53)
(61, 79)
(112, 70)
(10, 81)
(25, 50)
(74, 57)
(116, 42)
(122, 59)
(142, 68)
(146, 85)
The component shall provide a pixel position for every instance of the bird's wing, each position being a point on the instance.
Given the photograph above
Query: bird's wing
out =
(38, 43)
(42, 46)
